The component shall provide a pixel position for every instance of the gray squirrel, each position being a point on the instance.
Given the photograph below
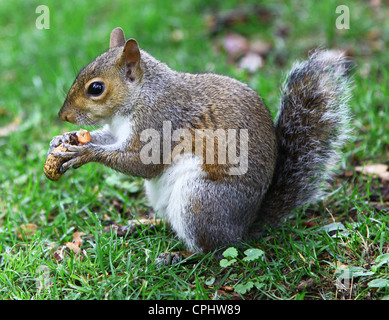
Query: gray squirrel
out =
(248, 171)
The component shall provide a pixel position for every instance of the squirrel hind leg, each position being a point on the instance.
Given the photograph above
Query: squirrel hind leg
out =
(218, 216)
(205, 214)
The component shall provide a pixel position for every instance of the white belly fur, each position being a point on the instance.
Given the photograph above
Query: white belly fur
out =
(169, 192)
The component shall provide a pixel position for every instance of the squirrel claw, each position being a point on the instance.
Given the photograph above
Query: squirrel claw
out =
(64, 167)
(68, 164)
(72, 148)
(65, 155)
(73, 151)
(168, 258)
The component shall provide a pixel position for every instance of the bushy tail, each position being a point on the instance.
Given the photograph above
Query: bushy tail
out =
(311, 126)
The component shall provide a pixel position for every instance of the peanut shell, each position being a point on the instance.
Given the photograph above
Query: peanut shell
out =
(53, 164)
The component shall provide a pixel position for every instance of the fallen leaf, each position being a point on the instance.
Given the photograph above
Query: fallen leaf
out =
(374, 34)
(186, 254)
(11, 127)
(378, 169)
(74, 247)
(226, 288)
(309, 223)
(251, 62)
(77, 238)
(235, 45)
(58, 254)
(372, 168)
(304, 284)
(26, 230)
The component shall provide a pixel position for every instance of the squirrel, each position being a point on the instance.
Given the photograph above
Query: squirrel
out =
(251, 171)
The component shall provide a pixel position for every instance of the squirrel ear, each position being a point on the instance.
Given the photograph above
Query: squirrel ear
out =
(131, 55)
(132, 52)
(117, 38)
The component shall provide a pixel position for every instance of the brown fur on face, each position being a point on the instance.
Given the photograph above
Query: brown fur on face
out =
(116, 69)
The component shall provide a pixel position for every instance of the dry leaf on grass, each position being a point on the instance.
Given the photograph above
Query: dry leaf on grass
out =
(309, 223)
(235, 45)
(305, 284)
(74, 246)
(377, 169)
(58, 254)
(77, 238)
(247, 55)
(11, 127)
(251, 62)
(26, 230)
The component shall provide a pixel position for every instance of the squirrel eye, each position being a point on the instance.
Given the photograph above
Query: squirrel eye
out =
(96, 88)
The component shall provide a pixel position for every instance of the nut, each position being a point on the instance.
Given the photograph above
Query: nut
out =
(53, 163)
(83, 136)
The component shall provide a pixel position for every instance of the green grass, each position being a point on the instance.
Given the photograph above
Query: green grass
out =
(37, 68)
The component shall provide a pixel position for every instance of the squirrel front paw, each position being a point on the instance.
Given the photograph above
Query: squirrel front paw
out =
(66, 138)
(76, 155)
(53, 164)
(72, 149)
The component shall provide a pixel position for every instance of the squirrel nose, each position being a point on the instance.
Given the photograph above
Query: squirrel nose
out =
(65, 113)
(63, 116)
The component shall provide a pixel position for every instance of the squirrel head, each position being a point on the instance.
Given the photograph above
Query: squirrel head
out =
(106, 85)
